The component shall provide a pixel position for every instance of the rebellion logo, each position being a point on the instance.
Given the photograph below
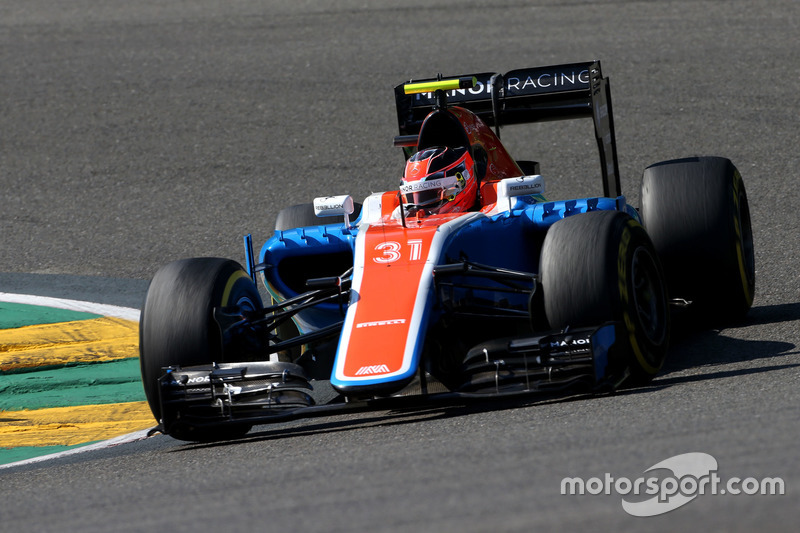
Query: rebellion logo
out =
(330, 207)
(372, 369)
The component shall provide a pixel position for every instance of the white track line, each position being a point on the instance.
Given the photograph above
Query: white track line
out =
(126, 313)
(116, 441)
(73, 305)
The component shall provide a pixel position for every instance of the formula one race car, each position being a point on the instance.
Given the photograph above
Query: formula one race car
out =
(466, 282)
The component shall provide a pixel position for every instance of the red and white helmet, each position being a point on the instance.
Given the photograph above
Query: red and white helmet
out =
(440, 180)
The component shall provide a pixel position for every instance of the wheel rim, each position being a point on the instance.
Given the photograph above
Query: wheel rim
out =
(246, 303)
(648, 296)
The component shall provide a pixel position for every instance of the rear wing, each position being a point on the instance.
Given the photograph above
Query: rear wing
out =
(538, 94)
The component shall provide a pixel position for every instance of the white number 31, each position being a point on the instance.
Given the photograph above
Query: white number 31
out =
(391, 251)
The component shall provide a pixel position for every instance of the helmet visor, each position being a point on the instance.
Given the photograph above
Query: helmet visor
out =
(432, 190)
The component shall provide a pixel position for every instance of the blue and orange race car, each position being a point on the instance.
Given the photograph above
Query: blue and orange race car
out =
(465, 282)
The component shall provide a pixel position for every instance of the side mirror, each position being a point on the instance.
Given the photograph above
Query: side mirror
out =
(522, 186)
(331, 206)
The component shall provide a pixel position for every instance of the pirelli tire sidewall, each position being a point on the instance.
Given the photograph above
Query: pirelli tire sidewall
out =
(599, 267)
(177, 326)
(645, 311)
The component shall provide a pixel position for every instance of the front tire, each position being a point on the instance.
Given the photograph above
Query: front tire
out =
(177, 326)
(599, 267)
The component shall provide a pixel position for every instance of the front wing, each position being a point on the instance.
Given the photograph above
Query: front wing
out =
(264, 392)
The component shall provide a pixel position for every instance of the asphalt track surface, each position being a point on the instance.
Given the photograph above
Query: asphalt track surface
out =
(139, 132)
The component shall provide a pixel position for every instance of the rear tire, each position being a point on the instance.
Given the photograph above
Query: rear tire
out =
(599, 267)
(697, 215)
(177, 326)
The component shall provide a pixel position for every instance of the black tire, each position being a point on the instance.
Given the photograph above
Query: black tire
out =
(177, 325)
(302, 216)
(599, 267)
(697, 215)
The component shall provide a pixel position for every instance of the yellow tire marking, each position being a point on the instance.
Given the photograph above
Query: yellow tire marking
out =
(622, 273)
(236, 276)
(67, 426)
(82, 341)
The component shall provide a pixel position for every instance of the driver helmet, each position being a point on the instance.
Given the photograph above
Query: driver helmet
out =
(440, 180)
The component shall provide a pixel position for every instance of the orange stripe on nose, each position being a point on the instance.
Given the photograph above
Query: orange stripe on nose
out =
(393, 265)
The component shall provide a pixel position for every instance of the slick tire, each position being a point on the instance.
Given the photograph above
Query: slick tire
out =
(177, 326)
(697, 215)
(599, 267)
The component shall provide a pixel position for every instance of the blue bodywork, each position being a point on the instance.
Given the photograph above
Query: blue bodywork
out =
(511, 239)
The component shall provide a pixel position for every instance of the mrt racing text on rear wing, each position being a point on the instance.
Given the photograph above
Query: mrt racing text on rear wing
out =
(522, 96)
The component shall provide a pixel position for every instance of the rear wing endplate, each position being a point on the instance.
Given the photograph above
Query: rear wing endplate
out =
(559, 92)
